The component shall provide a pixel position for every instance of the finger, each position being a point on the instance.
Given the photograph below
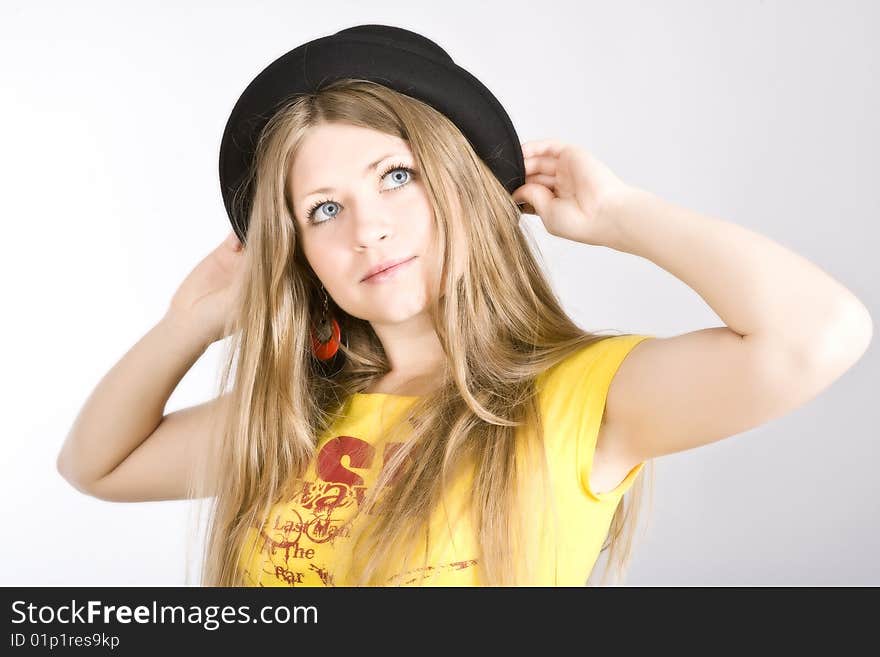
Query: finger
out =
(543, 179)
(536, 196)
(542, 147)
(541, 164)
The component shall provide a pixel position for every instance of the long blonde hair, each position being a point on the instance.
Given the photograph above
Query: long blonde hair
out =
(499, 324)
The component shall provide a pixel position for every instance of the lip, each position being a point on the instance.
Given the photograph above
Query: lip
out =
(385, 270)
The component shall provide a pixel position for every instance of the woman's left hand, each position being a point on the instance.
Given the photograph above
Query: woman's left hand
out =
(566, 187)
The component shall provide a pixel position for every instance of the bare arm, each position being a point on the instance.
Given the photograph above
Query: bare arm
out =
(120, 446)
(790, 328)
(127, 405)
(791, 331)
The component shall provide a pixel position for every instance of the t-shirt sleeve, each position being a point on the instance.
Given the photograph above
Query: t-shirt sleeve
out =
(575, 391)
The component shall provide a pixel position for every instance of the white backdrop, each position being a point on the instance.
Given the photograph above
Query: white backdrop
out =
(759, 112)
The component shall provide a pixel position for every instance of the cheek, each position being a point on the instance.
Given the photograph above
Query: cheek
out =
(325, 262)
(425, 232)
(425, 241)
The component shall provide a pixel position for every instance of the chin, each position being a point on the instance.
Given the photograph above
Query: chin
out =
(398, 311)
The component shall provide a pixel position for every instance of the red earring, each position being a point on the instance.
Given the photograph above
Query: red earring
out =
(325, 340)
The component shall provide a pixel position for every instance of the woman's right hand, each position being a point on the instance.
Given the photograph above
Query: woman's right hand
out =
(206, 296)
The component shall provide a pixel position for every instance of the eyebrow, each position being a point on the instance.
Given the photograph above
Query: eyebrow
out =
(367, 169)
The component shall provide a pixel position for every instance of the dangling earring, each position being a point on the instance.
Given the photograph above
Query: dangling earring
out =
(326, 336)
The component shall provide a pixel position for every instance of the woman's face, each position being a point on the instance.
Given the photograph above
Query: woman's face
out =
(356, 208)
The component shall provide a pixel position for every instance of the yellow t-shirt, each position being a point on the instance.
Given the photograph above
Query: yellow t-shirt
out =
(298, 544)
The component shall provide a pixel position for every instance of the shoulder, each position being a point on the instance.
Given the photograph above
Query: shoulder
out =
(591, 366)
(573, 395)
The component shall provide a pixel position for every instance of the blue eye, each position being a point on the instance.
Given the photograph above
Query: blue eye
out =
(401, 179)
(313, 209)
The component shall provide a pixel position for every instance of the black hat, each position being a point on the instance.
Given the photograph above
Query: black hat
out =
(397, 58)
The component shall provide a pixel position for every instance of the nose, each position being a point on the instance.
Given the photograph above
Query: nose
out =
(370, 222)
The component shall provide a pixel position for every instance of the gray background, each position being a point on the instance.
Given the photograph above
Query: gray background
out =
(760, 113)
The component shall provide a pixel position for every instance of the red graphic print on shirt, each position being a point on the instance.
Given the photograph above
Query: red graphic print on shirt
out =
(290, 542)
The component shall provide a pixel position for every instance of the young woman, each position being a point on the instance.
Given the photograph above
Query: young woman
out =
(410, 404)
